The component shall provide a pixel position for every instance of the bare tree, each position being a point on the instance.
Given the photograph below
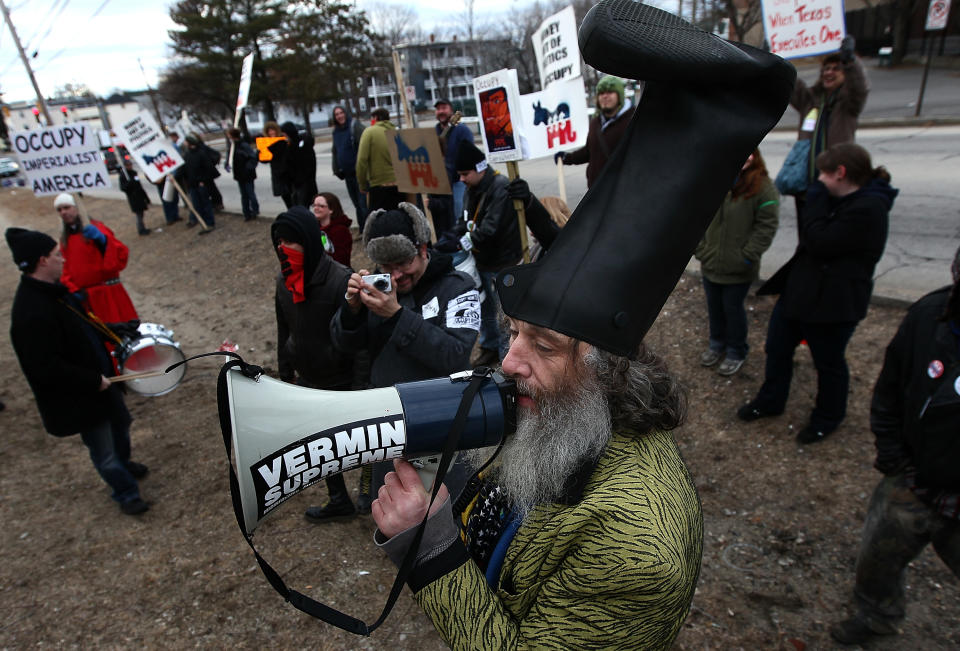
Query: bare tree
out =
(394, 23)
(744, 16)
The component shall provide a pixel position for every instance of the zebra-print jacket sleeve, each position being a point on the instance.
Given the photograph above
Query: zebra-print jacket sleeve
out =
(616, 570)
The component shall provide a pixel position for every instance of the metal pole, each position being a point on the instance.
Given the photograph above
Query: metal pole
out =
(26, 64)
(923, 81)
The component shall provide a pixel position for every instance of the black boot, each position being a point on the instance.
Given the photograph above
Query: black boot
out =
(338, 508)
(363, 499)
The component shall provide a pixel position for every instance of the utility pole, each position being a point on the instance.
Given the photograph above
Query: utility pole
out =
(26, 64)
(150, 91)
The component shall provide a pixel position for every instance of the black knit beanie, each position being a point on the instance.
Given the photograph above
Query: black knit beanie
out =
(468, 156)
(28, 246)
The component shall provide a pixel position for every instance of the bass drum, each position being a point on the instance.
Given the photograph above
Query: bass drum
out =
(154, 350)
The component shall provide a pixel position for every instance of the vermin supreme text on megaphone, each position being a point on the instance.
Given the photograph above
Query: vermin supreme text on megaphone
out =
(287, 438)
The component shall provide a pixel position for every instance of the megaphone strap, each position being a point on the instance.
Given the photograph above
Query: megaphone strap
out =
(299, 600)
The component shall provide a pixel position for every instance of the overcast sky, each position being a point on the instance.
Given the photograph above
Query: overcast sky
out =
(102, 43)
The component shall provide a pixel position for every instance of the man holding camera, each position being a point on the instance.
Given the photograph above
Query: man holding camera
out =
(418, 317)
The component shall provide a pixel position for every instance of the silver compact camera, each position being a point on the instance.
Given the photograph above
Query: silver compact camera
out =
(379, 281)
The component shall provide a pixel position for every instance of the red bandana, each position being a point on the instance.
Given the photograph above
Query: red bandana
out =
(291, 266)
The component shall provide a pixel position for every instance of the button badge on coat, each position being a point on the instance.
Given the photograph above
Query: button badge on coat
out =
(935, 369)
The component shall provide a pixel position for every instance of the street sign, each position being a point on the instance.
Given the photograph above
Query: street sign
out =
(937, 14)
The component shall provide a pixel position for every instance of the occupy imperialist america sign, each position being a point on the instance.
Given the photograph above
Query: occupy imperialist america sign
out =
(64, 158)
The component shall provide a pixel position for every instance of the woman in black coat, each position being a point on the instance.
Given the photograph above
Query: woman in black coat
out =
(136, 196)
(825, 287)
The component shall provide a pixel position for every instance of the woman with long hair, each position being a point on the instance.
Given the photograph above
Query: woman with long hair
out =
(825, 288)
(335, 224)
(729, 256)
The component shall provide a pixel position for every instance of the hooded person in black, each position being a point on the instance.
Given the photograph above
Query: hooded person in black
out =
(301, 165)
(310, 288)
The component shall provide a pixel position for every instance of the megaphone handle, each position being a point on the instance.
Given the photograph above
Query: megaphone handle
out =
(427, 468)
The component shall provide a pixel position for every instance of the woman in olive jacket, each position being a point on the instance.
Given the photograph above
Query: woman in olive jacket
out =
(729, 256)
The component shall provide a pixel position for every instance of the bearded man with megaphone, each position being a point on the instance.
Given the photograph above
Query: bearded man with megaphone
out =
(586, 531)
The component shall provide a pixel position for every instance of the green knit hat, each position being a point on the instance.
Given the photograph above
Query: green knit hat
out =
(611, 84)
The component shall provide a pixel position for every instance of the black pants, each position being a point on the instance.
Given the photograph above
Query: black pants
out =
(386, 197)
(441, 211)
(828, 345)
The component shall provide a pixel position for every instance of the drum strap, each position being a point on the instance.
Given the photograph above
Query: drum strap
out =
(299, 600)
(97, 323)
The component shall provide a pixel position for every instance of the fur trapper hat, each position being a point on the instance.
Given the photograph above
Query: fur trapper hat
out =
(395, 236)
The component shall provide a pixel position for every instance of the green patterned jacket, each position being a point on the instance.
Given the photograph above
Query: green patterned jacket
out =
(615, 569)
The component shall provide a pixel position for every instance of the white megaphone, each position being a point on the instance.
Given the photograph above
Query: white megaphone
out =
(287, 438)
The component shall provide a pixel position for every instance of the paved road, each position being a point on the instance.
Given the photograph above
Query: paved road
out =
(924, 161)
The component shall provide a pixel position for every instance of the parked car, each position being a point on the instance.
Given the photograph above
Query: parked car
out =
(110, 156)
(8, 167)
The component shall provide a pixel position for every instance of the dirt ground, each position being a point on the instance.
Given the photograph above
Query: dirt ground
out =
(782, 521)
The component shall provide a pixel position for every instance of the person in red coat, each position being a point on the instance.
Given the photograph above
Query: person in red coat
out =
(335, 225)
(93, 260)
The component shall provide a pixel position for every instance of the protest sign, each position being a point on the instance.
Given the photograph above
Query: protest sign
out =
(499, 104)
(802, 28)
(556, 47)
(153, 152)
(555, 119)
(246, 72)
(417, 161)
(64, 158)
(937, 14)
(263, 147)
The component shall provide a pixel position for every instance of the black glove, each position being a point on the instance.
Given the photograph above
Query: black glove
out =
(518, 189)
(561, 156)
(126, 329)
(846, 48)
(339, 175)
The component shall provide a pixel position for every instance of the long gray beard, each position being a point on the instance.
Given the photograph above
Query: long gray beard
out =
(537, 462)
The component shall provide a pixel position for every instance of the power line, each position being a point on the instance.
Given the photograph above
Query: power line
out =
(99, 9)
(43, 21)
(53, 24)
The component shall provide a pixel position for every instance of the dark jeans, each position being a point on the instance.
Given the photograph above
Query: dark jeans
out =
(109, 446)
(828, 343)
(492, 337)
(386, 197)
(248, 199)
(728, 318)
(898, 527)
(201, 203)
(170, 211)
(441, 212)
(359, 202)
(215, 197)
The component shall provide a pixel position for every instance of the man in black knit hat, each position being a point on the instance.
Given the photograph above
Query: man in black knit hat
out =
(494, 237)
(67, 366)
